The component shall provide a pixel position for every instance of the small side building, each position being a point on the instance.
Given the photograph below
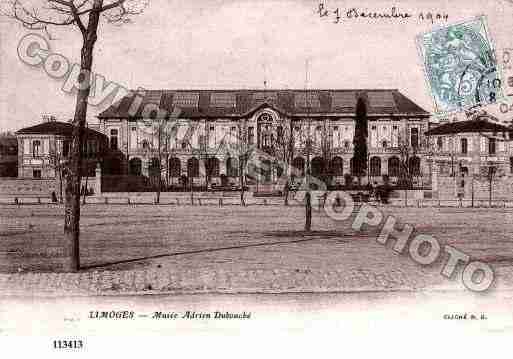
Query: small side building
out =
(472, 159)
(46, 146)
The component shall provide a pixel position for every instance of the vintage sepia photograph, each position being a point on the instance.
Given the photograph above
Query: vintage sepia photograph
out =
(246, 178)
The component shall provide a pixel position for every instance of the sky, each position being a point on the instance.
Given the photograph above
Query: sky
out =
(225, 44)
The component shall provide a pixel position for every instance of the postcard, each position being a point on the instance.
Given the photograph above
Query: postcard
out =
(245, 178)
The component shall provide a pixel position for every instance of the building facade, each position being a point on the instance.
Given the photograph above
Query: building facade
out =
(43, 149)
(465, 154)
(199, 136)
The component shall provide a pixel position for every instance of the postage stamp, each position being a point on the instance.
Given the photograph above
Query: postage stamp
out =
(461, 66)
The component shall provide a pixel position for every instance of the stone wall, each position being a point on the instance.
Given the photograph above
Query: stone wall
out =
(453, 187)
(26, 187)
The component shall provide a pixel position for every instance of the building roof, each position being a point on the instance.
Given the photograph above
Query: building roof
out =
(481, 123)
(240, 103)
(56, 128)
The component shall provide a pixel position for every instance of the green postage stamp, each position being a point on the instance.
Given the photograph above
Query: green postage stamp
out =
(461, 66)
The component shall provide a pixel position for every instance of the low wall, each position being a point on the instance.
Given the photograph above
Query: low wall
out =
(26, 187)
(450, 187)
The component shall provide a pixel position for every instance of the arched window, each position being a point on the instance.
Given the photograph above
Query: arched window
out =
(134, 166)
(318, 167)
(266, 170)
(231, 167)
(279, 170)
(279, 134)
(352, 165)
(414, 166)
(393, 166)
(212, 167)
(154, 167)
(192, 167)
(337, 166)
(384, 144)
(175, 167)
(299, 165)
(375, 166)
(145, 144)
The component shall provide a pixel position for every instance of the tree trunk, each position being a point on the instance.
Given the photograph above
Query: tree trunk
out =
(490, 194)
(60, 185)
(286, 193)
(241, 181)
(159, 181)
(192, 190)
(308, 215)
(472, 191)
(85, 190)
(72, 196)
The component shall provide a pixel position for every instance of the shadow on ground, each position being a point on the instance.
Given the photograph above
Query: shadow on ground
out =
(292, 236)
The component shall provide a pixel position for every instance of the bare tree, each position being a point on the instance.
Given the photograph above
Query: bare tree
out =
(85, 15)
(243, 150)
(308, 194)
(282, 149)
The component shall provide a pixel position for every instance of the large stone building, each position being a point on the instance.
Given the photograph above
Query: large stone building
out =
(213, 127)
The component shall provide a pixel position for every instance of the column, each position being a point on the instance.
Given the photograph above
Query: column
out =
(98, 180)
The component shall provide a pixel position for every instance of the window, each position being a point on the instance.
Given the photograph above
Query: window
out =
(212, 128)
(36, 173)
(375, 166)
(36, 148)
(134, 128)
(394, 127)
(464, 145)
(373, 127)
(223, 99)
(491, 146)
(511, 164)
(335, 128)
(440, 143)
(393, 166)
(66, 146)
(145, 144)
(414, 137)
(114, 139)
(346, 145)
(304, 99)
(251, 135)
(186, 99)
(384, 144)
(279, 132)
